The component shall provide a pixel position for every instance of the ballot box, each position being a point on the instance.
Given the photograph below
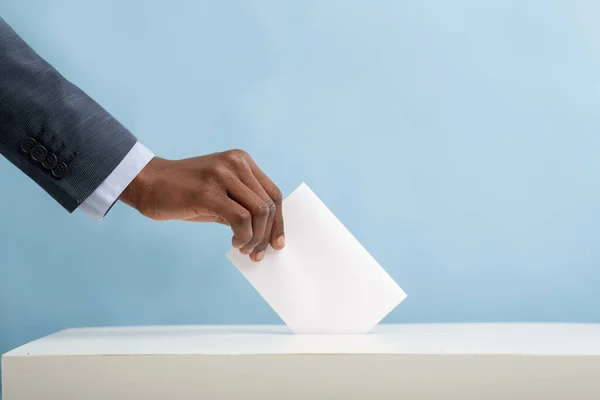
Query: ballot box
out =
(423, 361)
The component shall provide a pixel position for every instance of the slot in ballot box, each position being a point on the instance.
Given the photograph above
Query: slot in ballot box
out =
(421, 361)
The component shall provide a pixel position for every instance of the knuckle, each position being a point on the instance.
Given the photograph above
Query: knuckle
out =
(242, 217)
(218, 170)
(242, 153)
(276, 194)
(272, 207)
(233, 158)
(263, 210)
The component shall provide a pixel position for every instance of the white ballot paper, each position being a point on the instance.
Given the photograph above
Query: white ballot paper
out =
(323, 281)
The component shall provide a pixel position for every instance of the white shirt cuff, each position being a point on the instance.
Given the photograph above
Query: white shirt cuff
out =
(97, 205)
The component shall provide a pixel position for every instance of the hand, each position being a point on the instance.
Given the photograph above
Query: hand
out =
(227, 188)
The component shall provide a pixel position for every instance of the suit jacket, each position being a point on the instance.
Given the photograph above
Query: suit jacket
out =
(50, 129)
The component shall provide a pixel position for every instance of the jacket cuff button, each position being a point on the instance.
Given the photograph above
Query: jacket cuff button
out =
(60, 170)
(39, 153)
(50, 162)
(27, 145)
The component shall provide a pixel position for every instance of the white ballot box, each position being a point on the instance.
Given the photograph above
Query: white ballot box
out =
(437, 361)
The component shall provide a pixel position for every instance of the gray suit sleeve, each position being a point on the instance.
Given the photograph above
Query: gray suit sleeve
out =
(50, 129)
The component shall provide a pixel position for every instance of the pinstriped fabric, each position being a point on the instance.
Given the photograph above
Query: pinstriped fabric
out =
(37, 101)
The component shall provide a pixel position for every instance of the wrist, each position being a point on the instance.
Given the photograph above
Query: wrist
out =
(134, 192)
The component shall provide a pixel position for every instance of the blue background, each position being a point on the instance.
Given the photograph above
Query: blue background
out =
(458, 140)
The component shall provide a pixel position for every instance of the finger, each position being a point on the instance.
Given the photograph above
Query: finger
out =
(245, 174)
(277, 237)
(277, 231)
(258, 209)
(239, 219)
(259, 251)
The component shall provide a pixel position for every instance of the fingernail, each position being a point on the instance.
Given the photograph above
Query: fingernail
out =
(245, 251)
(259, 256)
(281, 242)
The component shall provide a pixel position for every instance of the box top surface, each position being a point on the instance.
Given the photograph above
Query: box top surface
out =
(492, 339)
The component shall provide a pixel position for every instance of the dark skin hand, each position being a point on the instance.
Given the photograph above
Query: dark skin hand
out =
(228, 188)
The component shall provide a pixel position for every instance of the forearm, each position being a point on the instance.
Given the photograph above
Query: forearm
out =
(79, 144)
